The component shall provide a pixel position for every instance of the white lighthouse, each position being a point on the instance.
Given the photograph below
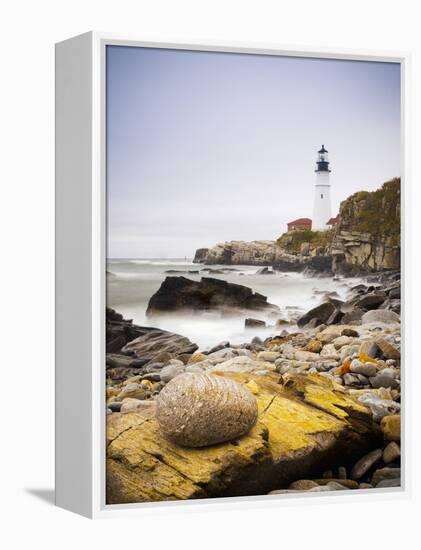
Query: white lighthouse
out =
(322, 207)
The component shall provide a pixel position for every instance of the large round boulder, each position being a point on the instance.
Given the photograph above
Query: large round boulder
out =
(197, 410)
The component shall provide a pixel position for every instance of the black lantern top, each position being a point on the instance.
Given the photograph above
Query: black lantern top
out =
(322, 160)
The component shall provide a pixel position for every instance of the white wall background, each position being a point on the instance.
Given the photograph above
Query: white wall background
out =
(28, 30)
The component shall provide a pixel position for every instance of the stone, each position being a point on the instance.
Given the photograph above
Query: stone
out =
(198, 410)
(371, 301)
(350, 332)
(181, 294)
(335, 317)
(321, 312)
(367, 369)
(314, 346)
(171, 371)
(238, 364)
(218, 347)
(303, 485)
(348, 483)
(344, 368)
(384, 380)
(154, 342)
(137, 391)
(328, 334)
(115, 406)
(379, 407)
(301, 425)
(336, 486)
(270, 356)
(369, 348)
(391, 452)
(197, 357)
(391, 427)
(396, 482)
(351, 380)
(353, 317)
(365, 464)
(254, 323)
(388, 350)
(385, 474)
(342, 341)
(342, 474)
(383, 316)
(366, 486)
(301, 355)
(131, 405)
(329, 351)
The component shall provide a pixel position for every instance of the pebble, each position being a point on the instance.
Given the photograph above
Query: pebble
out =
(365, 463)
(270, 356)
(367, 369)
(303, 485)
(384, 380)
(385, 473)
(131, 405)
(350, 332)
(391, 427)
(342, 474)
(380, 408)
(348, 483)
(396, 482)
(369, 348)
(342, 341)
(171, 371)
(388, 350)
(391, 452)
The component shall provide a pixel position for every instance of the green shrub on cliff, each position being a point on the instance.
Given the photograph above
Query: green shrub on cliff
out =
(292, 241)
(376, 213)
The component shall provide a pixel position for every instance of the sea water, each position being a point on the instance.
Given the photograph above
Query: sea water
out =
(131, 283)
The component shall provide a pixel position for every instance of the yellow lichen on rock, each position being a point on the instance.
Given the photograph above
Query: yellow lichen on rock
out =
(299, 423)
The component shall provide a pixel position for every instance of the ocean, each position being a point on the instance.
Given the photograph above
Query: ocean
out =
(131, 283)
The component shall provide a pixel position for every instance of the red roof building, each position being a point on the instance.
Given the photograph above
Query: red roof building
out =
(302, 224)
(333, 221)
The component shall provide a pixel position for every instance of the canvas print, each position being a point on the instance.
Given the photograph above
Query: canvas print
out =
(253, 275)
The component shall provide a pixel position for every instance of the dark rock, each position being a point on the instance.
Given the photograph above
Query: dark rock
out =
(349, 332)
(396, 482)
(253, 323)
(353, 317)
(115, 406)
(315, 322)
(335, 318)
(218, 347)
(200, 256)
(365, 464)
(265, 271)
(385, 473)
(113, 360)
(371, 301)
(155, 341)
(321, 312)
(180, 293)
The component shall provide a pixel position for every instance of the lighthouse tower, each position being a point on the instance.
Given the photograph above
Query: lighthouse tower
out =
(322, 209)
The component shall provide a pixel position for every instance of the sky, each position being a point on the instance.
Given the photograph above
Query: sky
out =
(207, 147)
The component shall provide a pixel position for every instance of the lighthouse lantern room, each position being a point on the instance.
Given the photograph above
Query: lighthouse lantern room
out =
(322, 207)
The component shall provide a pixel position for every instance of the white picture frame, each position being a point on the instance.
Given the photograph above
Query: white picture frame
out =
(81, 269)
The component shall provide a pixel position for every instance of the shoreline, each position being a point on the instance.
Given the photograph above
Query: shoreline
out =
(358, 362)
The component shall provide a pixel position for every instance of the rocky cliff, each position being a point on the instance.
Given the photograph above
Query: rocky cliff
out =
(367, 236)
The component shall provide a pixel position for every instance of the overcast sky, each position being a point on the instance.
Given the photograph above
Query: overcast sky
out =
(207, 147)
